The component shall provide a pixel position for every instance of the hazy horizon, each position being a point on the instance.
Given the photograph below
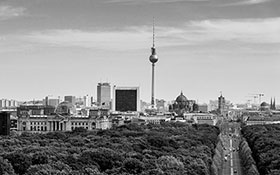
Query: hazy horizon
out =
(66, 47)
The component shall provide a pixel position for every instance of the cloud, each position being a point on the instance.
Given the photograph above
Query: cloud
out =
(242, 30)
(196, 33)
(153, 1)
(7, 12)
(105, 40)
(247, 2)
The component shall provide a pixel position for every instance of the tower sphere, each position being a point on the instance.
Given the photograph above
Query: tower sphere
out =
(153, 57)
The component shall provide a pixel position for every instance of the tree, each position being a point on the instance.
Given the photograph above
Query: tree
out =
(20, 162)
(5, 167)
(39, 158)
(51, 168)
(105, 158)
(133, 166)
(168, 163)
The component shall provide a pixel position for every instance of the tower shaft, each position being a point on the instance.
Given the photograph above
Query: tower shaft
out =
(153, 86)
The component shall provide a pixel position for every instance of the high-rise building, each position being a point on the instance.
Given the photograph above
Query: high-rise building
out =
(71, 99)
(4, 123)
(126, 99)
(87, 101)
(104, 95)
(51, 101)
(221, 105)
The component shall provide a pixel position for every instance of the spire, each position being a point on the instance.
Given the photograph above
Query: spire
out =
(153, 57)
(274, 105)
(271, 104)
(153, 32)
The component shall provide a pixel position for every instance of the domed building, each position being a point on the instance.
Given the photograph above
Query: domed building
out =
(182, 101)
(65, 109)
(39, 118)
(181, 105)
(264, 106)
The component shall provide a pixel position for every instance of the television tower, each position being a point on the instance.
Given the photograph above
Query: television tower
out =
(153, 60)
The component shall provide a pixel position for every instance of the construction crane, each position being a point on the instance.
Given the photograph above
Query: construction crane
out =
(253, 96)
(260, 95)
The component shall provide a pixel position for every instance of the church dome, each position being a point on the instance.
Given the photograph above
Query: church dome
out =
(65, 108)
(181, 98)
(264, 104)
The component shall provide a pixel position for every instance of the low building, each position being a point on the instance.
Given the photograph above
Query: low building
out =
(63, 118)
(203, 108)
(155, 119)
(201, 118)
(257, 120)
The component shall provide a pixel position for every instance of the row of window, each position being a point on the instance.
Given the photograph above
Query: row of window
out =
(38, 123)
(81, 123)
(37, 128)
(72, 128)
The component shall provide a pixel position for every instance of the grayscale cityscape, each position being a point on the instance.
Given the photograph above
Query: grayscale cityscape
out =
(147, 87)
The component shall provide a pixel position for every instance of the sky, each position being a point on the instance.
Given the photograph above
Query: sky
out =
(66, 47)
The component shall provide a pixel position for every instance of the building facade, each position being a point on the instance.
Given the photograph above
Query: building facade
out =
(5, 103)
(104, 95)
(71, 99)
(4, 123)
(62, 118)
(126, 99)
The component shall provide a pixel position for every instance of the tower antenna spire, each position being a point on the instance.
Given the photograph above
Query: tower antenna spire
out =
(153, 31)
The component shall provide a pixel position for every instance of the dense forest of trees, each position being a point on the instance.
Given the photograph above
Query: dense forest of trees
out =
(248, 162)
(166, 149)
(264, 141)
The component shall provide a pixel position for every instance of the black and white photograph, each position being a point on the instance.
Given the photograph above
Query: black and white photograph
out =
(139, 87)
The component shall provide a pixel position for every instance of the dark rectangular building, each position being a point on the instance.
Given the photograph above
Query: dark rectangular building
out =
(5, 123)
(126, 99)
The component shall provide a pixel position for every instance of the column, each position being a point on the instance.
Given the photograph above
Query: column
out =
(49, 126)
(57, 125)
(53, 125)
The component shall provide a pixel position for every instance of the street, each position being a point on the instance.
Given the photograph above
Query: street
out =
(230, 139)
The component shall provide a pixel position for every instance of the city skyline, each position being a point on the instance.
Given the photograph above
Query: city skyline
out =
(67, 47)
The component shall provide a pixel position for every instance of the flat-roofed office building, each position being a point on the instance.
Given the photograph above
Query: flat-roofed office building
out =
(104, 95)
(126, 99)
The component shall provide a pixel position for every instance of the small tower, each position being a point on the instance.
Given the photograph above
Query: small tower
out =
(271, 104)
(274, 104)
(221, 104)
(153, 59)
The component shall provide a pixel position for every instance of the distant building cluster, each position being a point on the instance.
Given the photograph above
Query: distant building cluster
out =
(119, 106)
(266, 114)
(5, 103)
